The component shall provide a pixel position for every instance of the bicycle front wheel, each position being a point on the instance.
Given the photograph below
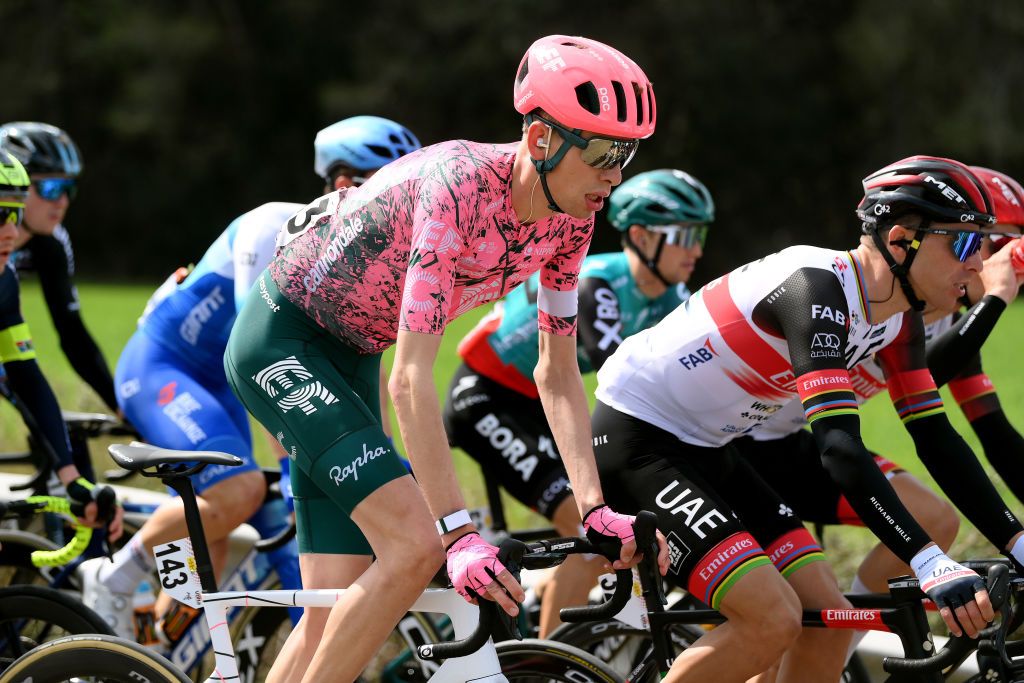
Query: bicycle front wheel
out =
(92, 658)
(532, 661)
(32, 615)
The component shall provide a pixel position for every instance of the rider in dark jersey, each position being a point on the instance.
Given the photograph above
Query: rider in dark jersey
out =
(432, 235)
(674, 398)
(493, 409)
(44, 245)
(17, 353)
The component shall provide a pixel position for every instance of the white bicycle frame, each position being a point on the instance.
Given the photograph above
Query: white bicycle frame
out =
(482, 666)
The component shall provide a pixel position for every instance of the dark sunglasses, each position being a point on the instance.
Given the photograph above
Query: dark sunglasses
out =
(11, 212)
(686, 236)
(599, 152)
(51, 189)
(964, 245)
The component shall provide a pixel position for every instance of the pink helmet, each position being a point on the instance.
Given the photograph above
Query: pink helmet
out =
(586, 85)
(1007, 198)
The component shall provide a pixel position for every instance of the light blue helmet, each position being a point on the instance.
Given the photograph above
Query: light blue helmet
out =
(364, 143)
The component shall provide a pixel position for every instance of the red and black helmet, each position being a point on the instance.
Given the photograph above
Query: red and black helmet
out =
(1008, 198)
(940, 190)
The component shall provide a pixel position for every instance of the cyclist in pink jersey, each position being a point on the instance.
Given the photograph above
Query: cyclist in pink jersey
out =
(427, 238)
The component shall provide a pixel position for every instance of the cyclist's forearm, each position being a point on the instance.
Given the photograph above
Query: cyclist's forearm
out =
(68, 474)
(956, 470)
(872, 497)
(1004, 448)
(565, 405)
(419, 420)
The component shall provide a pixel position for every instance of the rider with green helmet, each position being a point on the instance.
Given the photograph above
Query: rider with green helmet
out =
(493, 410)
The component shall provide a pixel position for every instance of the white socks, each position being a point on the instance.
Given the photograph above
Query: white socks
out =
(131, 565)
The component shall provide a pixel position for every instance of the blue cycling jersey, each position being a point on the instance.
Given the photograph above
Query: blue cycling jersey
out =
(193, 318)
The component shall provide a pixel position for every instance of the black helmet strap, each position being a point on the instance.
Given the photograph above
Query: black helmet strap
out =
(901, 271)
(652, 262)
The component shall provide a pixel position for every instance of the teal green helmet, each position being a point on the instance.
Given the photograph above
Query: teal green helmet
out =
(662, 197)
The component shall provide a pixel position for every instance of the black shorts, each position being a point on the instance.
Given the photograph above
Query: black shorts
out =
(720, 519)
(792, 467)
(508, 434)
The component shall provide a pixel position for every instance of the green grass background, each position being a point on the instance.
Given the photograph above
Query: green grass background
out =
(111, 312)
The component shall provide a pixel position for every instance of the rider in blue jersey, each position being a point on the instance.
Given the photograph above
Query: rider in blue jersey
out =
(493, 410)
(170, 377)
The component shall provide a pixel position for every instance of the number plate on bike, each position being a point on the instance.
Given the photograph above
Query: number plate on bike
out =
(177, 569)
(635, 612)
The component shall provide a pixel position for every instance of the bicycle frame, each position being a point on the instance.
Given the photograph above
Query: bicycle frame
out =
(481, 666)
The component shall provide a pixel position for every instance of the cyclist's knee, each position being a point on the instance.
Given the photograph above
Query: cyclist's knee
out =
(938, 517)
(943, 523)
(764, 609)
(232, 501)
(566, 518)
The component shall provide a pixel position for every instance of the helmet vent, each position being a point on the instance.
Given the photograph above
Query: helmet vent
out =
(650, 104)
(524, 70)
(620, 100)
(586, 95)
(381, 151)
(638, 93)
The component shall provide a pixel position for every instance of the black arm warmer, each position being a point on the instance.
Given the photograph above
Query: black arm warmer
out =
(948, 353)
(598, 322)
(872, 497)
(27, 381)
(1004, 448)
(958, 473)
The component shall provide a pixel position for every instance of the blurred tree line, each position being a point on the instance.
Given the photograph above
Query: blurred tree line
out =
(190, 112)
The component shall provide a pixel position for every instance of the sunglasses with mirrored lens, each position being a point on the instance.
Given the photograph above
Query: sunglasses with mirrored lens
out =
(686, 236)
(51, 189)
(599, 152)
(967, 244)
(609, 152)
(11, 212)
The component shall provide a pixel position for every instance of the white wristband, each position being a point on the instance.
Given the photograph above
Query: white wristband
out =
(453, 521)
(1017, 551)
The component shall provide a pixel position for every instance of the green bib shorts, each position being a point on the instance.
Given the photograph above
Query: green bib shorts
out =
(320, 398)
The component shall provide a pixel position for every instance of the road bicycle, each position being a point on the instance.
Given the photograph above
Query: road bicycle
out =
(901, 612)
(32, 615)
(186, 573)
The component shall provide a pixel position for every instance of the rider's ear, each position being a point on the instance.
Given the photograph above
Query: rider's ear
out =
(541, 142)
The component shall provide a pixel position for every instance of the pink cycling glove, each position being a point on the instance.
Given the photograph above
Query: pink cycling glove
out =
(603, 521)
(472, 565)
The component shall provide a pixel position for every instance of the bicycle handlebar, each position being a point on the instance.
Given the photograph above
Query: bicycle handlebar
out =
(37, 504)
(106, 503)
(643, 530)
(516, 555)
(998, 581)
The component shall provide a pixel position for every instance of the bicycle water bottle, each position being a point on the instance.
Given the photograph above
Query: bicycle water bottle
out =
(1017, 258)
(175, 621)
(144, 608)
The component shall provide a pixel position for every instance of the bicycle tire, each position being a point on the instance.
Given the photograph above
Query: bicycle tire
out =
(92, 657)
(32, 615)
(855, 671)
(619, 645)
(16, 566)
(545, 660)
